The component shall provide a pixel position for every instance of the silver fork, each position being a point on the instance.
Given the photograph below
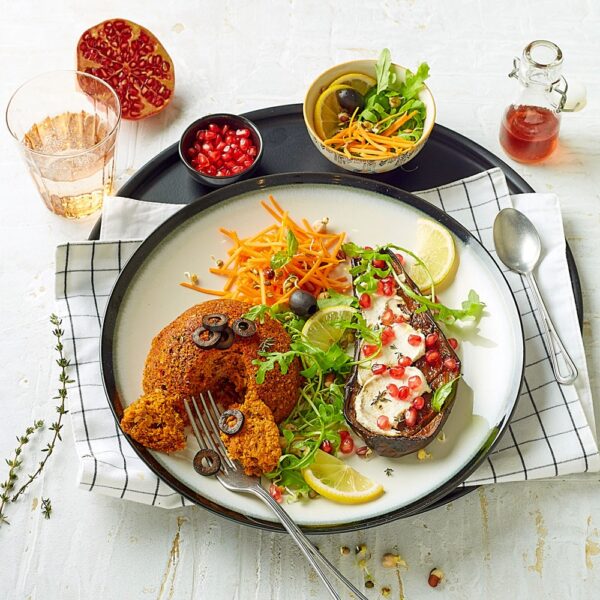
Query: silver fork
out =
(232, 477)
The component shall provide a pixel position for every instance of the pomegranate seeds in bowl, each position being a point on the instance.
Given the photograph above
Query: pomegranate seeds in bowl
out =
(220, 149)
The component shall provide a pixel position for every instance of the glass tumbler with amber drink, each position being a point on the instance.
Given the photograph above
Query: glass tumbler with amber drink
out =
(66, 125)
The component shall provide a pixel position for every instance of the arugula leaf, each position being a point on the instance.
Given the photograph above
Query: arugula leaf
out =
(382, 69)
(258, 312)
(282, 258)
(442, 394)
(414, 81)
(336, 299)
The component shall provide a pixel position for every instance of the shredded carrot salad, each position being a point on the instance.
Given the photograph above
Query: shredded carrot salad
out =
(358, 141)
(267, 267)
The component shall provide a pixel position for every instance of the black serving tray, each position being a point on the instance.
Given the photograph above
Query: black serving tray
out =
(446, 157)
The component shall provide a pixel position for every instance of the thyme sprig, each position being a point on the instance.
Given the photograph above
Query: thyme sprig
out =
(15, 463)
(56, 427)
(46, 508)
(13, 467)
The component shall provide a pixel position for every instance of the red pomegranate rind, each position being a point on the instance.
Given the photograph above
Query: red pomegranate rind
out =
(130, 59)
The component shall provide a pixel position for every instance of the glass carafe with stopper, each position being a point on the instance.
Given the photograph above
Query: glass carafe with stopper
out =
(531, 123)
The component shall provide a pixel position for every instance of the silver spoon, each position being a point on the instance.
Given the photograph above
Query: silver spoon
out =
(518, 246)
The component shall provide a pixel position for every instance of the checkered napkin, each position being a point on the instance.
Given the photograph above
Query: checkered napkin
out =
(550, 434)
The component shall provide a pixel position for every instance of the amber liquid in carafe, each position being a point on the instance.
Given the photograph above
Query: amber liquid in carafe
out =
(529, 134)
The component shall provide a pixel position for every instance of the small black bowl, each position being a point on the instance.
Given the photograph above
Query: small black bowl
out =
(235, 122)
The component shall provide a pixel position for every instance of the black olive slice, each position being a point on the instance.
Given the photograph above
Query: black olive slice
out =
(204, 338)
(215, 321)
(207, 462)
(244, 327)
(226, 341)
(231, 421)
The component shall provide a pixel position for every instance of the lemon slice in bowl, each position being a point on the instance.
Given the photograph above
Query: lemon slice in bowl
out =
(359, 81)
(327, 110)
(321, 330)
(435, 247)
(335, 480)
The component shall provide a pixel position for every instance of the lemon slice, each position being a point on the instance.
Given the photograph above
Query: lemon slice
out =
(335, 480)
(359, 81)
(320, 330)
(435, 247)
(327, 110)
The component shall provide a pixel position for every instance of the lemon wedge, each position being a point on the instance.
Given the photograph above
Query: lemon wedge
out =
(435, 247)
(327, 110)
(359, 81)
(321, 330)
(335, 480)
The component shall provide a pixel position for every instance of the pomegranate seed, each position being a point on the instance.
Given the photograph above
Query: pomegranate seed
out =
(379, 288)
(220, 173)
(245, 143)
(431, 340)
(387, 336)
(211, 170)
(230, 139)
(414, 340)
(226, 156)
(326, 446)
(378, 369)
(230, 164)
(450, 364)
(369, 349)
(383, 422)
(191, 152)
(200, 134)
(236, 169)
(365, 301)
(393, 390)
(400, 258)
(397, 372)
(379, 263)
(344, 433)
(410, 417)
(214, 127)
(400, 318)
(213, 156)
(206, 147)
(225, 128)
(347, 445)
(388, 316)
(419, 402)
(405, 361)
(362, 450)
(210, 135)
(388, 289)
(202, 160)
(248, 163)
(220, 146)
(276, 493)
(403, 392)
(243, 133)
(432, 357)
(414, 382)
(252, 152)
(453, 342)
(388, 279)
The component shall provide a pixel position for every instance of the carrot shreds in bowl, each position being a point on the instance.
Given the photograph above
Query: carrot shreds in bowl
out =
(267, 267)
(360, 141)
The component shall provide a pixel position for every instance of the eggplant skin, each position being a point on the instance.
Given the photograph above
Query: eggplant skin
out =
(407, 441)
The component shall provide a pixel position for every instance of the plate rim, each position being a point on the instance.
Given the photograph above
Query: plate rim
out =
(261, 183)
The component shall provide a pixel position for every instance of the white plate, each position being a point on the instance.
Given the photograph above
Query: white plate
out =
(148, 296)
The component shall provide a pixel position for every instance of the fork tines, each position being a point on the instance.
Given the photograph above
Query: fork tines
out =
(207, 435)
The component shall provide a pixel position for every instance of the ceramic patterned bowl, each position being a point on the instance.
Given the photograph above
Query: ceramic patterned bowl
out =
(359, 165)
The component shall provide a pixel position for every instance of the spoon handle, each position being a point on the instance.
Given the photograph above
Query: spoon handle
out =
(553, 342)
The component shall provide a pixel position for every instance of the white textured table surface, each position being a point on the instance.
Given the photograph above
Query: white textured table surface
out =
(528, 540)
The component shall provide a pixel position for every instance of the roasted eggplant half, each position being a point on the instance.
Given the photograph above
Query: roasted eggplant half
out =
(400, 399)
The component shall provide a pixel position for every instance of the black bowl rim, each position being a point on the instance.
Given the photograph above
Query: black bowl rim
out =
(261, 183)
(230, 178)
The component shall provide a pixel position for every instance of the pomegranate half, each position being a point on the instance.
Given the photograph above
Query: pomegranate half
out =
(130, 59)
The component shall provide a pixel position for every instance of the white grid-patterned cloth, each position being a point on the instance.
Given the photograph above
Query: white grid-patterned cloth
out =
(549, 434)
